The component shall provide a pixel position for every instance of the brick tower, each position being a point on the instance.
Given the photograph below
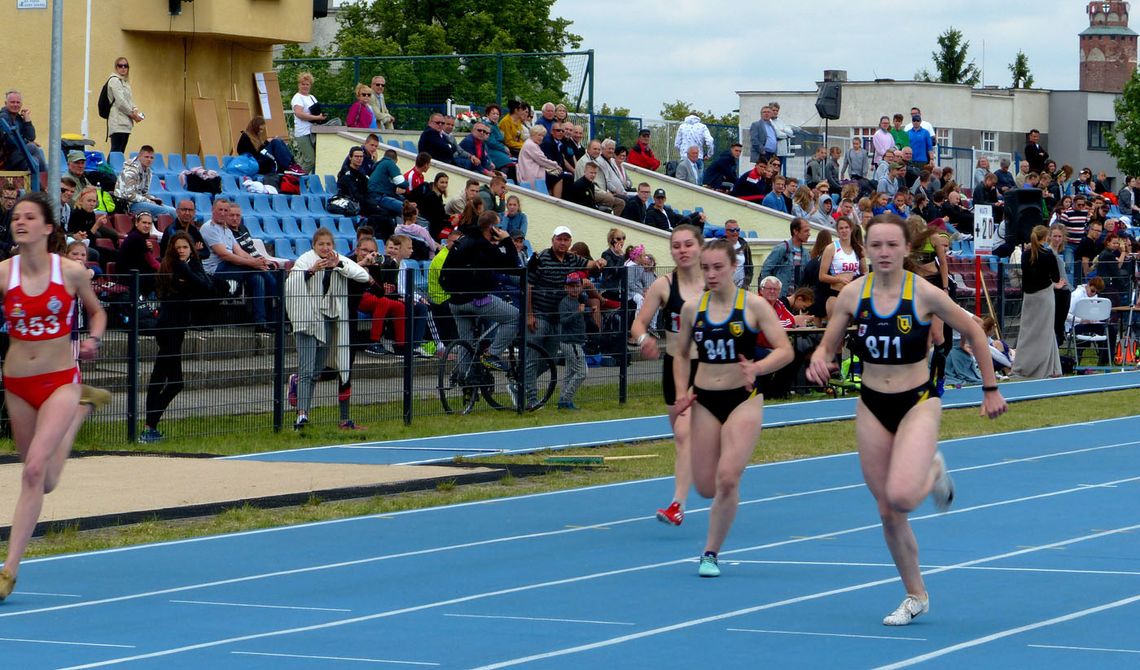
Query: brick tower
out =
(1108, 48)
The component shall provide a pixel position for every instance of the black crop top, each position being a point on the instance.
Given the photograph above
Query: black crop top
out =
(898, 338)
(671, 315)
(723, 342)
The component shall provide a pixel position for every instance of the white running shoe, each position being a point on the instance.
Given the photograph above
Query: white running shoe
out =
(910, 608)
(942, 493)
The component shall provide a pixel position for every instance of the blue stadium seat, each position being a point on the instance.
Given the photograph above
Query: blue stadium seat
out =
(203, 204)
(327, 222)
(330, 183)
(261, 203)
(315, 184)
(422, 276)
(345, 227)
(245, 200)
(212, 163)
(253, 222)
(527, 185)
(290, 227)
(271, 227)
(280, 203)
(410, 146)
(193, 161)
(342, 246)
(174, 163)
(316, 203)
(116, 159)
(299, 205)
(226, 160)
(307, 226)
(283, 248)
(752, 234)
(156, 186)
(540, 186)
(231, 184)
(159, 164)
(166, 198)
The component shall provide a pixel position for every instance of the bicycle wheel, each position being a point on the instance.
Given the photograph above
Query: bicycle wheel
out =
(504, 392)
(457, 387)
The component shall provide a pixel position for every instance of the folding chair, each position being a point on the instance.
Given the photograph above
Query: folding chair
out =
(1091, 313)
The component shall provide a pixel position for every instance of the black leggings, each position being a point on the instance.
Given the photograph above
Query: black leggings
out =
(166, 378)
(119, 142)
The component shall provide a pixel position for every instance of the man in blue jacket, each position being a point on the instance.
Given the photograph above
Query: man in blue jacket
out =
(721, 174)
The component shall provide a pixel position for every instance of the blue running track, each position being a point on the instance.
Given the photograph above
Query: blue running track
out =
(443, 448)
(1037, 566)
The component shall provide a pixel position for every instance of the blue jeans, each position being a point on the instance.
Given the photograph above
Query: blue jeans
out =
(1072, 268)
(152, 208)
(260, 287)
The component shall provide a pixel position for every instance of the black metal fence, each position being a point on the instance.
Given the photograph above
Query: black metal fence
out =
(237, 373)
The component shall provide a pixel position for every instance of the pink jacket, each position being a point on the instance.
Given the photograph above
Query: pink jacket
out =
(533, 164)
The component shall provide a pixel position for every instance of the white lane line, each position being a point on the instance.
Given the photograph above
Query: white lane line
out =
(537, 618)
(334, 658)
(49, 595)
(529, 496)
(757, 608)
(268, 607)
(583, 578)
(1107, 649)
(435, 550)
(801, 632)
(992, 568)
(67, 643)
(968, 644)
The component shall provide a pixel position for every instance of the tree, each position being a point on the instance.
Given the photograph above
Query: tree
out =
(950, 61)
(452, 27)
(1124, 138)
(1019, 68)
(606, 110)
(679, 109)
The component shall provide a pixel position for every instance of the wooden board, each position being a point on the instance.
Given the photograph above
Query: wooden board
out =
(239, 116)
(209, 130)
(269, 103)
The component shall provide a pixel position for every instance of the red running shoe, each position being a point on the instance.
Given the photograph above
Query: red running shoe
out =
(672, 515)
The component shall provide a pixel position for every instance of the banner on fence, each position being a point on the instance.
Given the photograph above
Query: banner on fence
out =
(985, 231)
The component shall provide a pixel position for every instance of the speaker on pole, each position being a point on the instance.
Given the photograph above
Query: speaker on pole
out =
(830, 100)
(1022, 213)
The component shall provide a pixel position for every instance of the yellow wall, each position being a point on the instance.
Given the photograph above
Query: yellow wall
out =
(214, 44)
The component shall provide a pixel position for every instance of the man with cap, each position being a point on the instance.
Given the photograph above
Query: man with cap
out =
(546, 277)
(660, 215)
(921, 141)
(641, 155)
(76, 165)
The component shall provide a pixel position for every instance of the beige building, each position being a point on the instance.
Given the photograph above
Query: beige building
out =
(211, 48)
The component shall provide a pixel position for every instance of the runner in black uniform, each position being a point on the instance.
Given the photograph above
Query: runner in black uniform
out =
(727, 412)
(668, 293)
(897, 416)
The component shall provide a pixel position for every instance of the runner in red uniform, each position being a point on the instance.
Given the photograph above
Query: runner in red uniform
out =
(41, 380)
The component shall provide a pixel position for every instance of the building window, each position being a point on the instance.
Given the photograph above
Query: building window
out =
(944, 137)
(1098, 135)
(865, 135)
(989, 141)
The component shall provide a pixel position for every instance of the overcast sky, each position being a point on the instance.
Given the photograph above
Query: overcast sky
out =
(703, 51)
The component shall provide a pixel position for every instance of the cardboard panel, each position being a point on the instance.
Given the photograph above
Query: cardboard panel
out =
(209, 130)
(269, 101)
(239, 116)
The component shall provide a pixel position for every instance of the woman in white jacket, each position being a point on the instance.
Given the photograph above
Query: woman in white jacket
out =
(316, 298)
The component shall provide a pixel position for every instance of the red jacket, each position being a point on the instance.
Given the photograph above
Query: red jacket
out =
(643, 159)
(786, 320)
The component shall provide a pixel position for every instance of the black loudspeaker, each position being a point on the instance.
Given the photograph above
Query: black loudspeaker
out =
(1022, 213)
(320, 9)
(830, 100)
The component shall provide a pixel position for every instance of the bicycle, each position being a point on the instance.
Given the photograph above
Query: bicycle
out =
(463, 377)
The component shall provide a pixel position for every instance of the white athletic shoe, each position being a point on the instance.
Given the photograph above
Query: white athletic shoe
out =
(910, 608)
(942, 493)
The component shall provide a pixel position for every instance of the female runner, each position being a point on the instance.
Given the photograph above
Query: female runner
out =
(842, 262)
(41, 378)
(897, 416)
(727, 410)
(670, 293)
